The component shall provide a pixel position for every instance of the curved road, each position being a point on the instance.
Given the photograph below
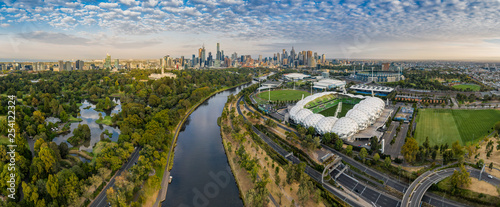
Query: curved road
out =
(414, 197)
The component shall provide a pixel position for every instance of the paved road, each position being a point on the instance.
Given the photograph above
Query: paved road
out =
(388, 136)
(425, 181)
(101, 199)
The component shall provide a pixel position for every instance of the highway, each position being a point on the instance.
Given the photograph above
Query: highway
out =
(101, 199)
(419, 187)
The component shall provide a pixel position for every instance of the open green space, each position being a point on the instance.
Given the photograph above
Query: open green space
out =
(4, 140)
(331, 111)
(106, 120)
(283, 95)
(73, 119)
(472, 87)
(447, 125)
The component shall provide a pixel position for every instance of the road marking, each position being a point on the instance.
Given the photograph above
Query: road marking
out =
(355, 186)
(363, 190)
(378, 197)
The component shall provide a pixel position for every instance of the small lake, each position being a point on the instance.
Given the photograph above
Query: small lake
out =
(89, 116)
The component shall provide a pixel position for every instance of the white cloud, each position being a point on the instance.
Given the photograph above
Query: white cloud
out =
(91, 7)
(4, 25)
(108, 5)
(129, 2)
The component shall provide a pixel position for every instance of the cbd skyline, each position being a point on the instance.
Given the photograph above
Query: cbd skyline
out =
(128, 29)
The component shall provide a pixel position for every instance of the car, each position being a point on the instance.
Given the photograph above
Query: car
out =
(490, 176)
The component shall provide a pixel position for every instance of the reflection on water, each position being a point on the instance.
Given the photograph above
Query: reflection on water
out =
(201, 173)
(83, 159)
(89, 116)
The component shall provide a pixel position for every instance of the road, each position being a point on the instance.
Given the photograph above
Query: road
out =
(419, 187)
(101, 199)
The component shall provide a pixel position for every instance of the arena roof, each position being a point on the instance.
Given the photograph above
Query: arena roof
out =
(380, 89)
(363, 114)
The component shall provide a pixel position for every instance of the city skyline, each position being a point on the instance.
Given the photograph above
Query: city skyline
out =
(127, 29)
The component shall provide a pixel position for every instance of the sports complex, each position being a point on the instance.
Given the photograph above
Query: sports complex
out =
(450, 125)
(343, 114)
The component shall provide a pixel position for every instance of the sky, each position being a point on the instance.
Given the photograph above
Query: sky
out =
(150, 29)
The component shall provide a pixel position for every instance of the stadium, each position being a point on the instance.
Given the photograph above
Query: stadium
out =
(342, 114)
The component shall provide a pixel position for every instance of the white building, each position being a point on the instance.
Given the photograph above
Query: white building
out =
(296, 76)
(329, 84)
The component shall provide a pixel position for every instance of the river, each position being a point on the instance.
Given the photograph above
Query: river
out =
(201, 172)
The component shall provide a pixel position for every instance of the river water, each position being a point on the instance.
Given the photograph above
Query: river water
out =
(201, 172)
(89, 116)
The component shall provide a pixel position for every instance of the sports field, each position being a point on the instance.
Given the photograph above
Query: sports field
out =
(472, 87)
(447, 125)
(283, 95)
(331, 111)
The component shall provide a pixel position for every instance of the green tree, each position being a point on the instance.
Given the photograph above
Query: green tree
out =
(387, 162)
(48, 158)
(410, 149)
(349, 150)
(338, 144)
(375, 146)
(376, 157)
(363, 153)
(53, 186)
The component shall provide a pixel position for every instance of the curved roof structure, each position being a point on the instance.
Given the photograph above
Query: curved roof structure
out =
(358, 118)
(345, 127)
(325, 124)
(312, 119)
(301, 116)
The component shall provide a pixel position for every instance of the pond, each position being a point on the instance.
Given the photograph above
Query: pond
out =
(89, 116)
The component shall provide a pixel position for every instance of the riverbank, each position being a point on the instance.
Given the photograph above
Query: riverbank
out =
(238, 140)
(161, 194)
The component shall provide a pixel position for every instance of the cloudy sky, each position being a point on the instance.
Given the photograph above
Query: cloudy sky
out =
(378, 29)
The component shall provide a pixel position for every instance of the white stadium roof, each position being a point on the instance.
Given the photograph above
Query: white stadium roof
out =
(301, 116)
(312, 119)
(359, 117)
(345, 127)
(363, 114)
(325, 125)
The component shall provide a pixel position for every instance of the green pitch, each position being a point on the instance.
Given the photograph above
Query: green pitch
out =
(447, 126)
(331, 111)
(283, 95)
(473, 87)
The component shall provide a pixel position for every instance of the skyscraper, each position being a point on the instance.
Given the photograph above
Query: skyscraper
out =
(107, 61)
(61, 65)
(117, 64)
(79, 65)
(217, 56)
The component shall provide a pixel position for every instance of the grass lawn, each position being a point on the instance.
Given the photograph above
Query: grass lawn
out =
(447, 126)
(73, 119)
(283, 95)
(2, 117)
(472, 87)
(106, 120)
(4, 140)
(331, 111)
